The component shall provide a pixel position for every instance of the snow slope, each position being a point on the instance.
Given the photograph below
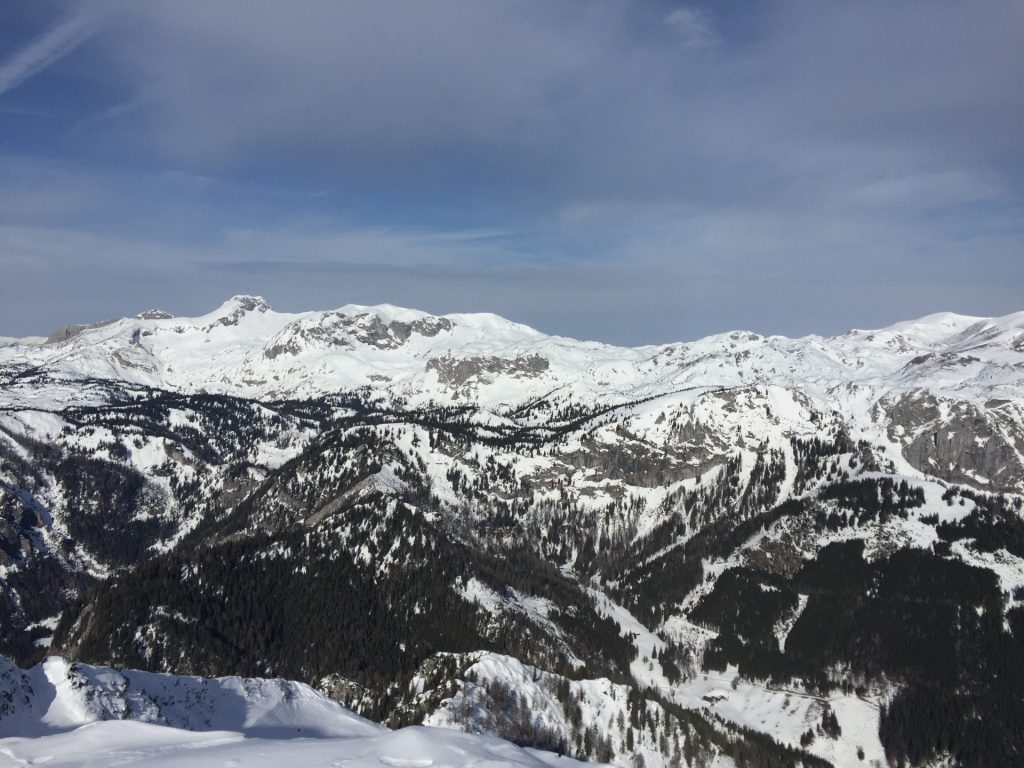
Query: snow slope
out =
(78, 715)
(102, 744)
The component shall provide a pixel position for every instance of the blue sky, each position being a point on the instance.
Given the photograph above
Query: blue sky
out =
(634, 172)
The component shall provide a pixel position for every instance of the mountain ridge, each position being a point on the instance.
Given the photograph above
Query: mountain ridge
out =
(245, 348)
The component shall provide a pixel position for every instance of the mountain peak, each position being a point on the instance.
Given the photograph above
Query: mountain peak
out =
(237, 307)
(244, 303)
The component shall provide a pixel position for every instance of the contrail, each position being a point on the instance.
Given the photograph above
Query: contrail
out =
(47, 49)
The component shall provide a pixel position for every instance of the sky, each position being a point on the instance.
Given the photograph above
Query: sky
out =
(622, 170)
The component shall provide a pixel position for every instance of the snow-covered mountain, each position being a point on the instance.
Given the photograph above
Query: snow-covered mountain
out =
(806, 540)
(244, 348)
(942, 371)
(955, 374)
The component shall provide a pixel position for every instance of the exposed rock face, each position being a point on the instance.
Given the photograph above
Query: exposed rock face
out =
(154, 314)
(346, 692)
(910, 413)
(70, 331)
(637, 462)
(383, 482)
(457, 373)
(427, 326)
(239, 307)
(133, 362)
(337, 329)
(299, 335)
(371, 330)
(959, 442)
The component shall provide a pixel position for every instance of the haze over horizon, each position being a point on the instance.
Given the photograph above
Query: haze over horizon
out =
(632, 173)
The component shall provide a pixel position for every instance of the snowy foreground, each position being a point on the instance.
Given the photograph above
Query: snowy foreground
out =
(142, 744)
(63, 714)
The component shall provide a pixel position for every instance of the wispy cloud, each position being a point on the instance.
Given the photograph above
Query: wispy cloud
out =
(631, 171)
(693, 25)
(49, 47)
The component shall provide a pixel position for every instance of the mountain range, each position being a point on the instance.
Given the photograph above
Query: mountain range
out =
(742, 550)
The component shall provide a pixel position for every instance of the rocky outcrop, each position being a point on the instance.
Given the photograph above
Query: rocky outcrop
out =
(340, 330)
(456, 373)
(637, 462)
(238, 307)
(70, 331)
(959, 442)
